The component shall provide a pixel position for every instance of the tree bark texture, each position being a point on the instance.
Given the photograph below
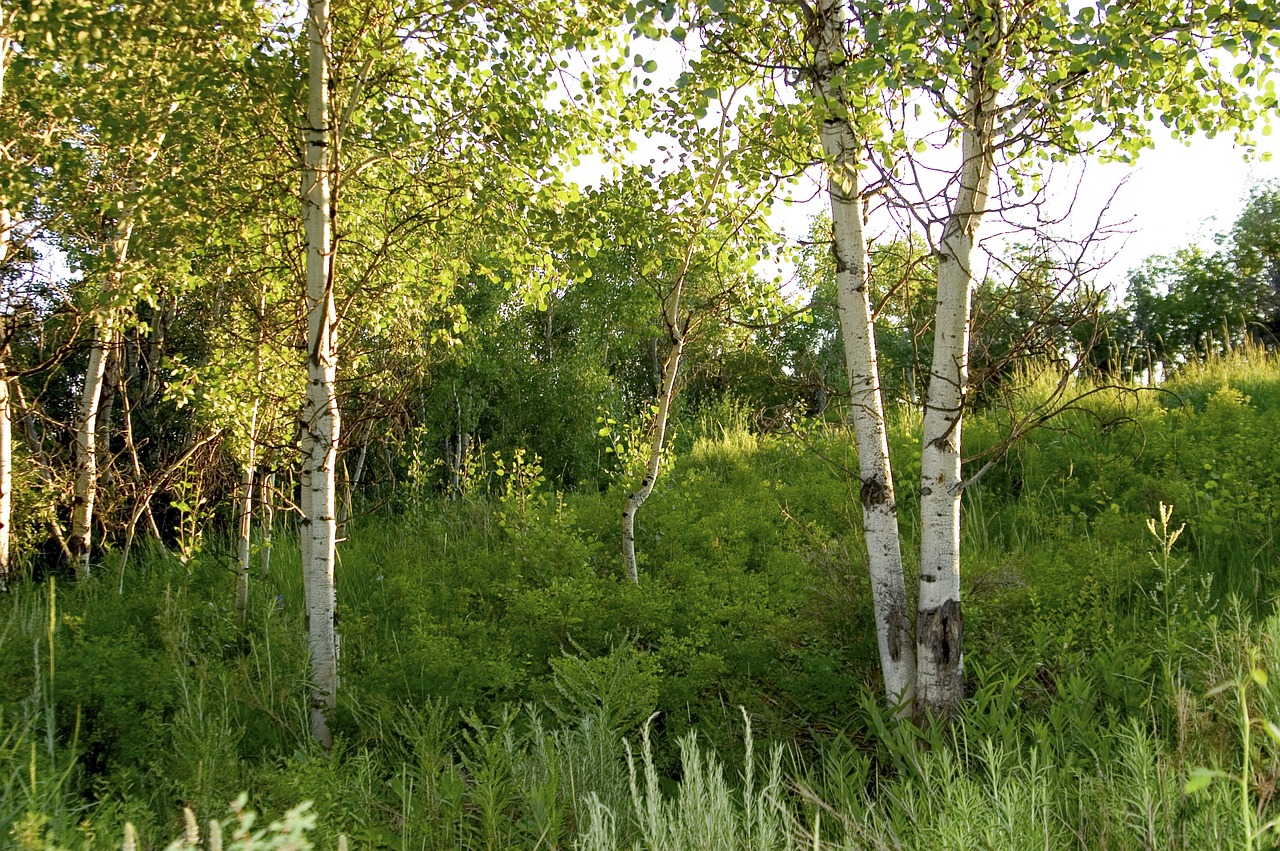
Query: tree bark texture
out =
(244, 526)
(879, 506)
(86, 486)
(6, 478)
(939, 619)
(321, 418)
(6, 407)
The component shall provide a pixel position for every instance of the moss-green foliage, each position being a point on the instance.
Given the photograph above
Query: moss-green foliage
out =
(494, 660)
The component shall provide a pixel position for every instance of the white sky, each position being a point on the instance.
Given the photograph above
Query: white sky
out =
(1175, 196)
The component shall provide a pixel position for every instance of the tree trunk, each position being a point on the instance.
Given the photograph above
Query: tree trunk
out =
(107, 405)
(244, 527)
(267, 521)
(322, 423)
(86, 449)
(879, 507)
(6, 478)
(637, 499)
(80, 542)
(42, 465)
(939, 621)
(6, 409)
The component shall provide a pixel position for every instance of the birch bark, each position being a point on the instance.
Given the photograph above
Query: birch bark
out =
(879, 506)
(321, 419)
(6, 477)
(244, 525)
(86, 486)
(669, 374)
(939, 621)
(6, 408)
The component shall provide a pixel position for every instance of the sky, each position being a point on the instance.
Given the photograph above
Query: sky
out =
(1179, 195)
(1176, 195)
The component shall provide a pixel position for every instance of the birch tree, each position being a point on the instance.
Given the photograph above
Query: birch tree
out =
(1021, 83)
(320, 416)
(1017, 84)
(709, 210)
(842, 147)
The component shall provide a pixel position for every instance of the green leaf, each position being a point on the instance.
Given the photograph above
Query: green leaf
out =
(1200, 779)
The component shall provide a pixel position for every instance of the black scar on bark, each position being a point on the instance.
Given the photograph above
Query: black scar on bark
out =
(940, 631)
(841, 266)
(897, 624)
(873, 492)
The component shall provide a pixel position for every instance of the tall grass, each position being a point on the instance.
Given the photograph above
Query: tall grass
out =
(497, 674)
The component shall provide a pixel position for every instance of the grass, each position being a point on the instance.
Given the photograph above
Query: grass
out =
(502, 688)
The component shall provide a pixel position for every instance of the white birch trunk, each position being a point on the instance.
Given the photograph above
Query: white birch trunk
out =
(80, 542)
(6, 408)
(244, 527)
(939, 620)
(670, 371)
(6, 477)
(322, 423)
(879, 506)
(7, 18)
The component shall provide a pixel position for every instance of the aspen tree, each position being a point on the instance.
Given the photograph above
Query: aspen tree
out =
(321, 418)
(842, 148)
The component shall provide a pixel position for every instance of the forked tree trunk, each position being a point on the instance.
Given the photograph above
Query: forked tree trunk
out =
(322, 421)
(879, 506)
(939, 622)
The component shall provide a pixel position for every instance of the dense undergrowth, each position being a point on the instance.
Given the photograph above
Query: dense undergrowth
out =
(503, 688)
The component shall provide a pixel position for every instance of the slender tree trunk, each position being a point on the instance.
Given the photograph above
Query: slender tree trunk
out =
(939, 621)
(6, 478)
(351, 483)
(267, 521)
(80, 542)
(7, 18)
(323, 421)
(111, 385)
(244, 526)
(879, 506)
(86, 449)
(245, 523)
(6, 408)
(669, 373)
(43, 468)
(342, 501)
